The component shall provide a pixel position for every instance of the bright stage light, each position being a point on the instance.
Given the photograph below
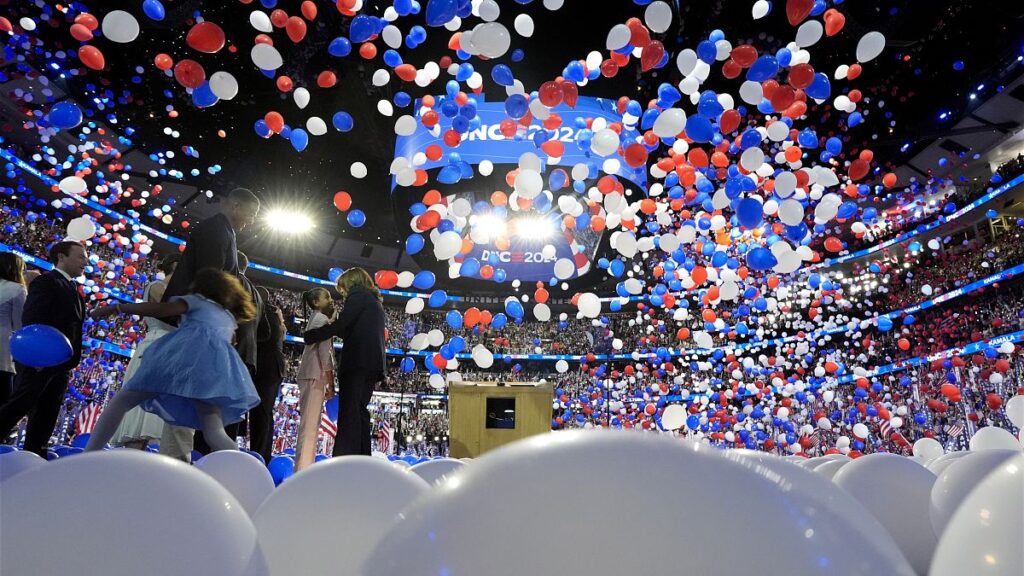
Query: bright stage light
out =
(289, 221)
(491, 224)
(534, 228)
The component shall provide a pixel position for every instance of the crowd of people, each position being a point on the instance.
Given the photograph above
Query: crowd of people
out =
(904, 281)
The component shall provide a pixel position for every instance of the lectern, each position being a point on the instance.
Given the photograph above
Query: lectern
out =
(485, 415)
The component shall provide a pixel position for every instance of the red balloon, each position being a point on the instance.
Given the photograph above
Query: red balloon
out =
(81, 33)
(189, 73)
(550, 94)
(744, 55)
(798, 10)
(274, 121)
(834, 21)
(296, 29)
(386, 279)
(609, 68)
(570, 93)
(801, 76)
(87, 20)
(635, 155)
(731, 69)
(163, 61)
(309, 10)
(342, 201)
(639, 35)
(782, 97)
(833, 244)
(652, 55)
(439, 361)
(729, 121)
(279, 18)
(858, 169)
(206, 37)
(92, 57)
(326, 79)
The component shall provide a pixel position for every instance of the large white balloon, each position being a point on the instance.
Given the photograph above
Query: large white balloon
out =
(14, 463)
(589, 305)
(414, 306)
(464, 529)
(564, 268)
(224, 86)
(993, 438)
(342, 505)
(266, 57)
(938, 465)
(929, 448)
(447, 245)
(605, 142)
(243, 475)
(316, 126)
(435, 472)
(870, 46)
(73, 185)
(1015, 410)
(956, 482)
(91, 500)
(529, 183)
(491, 39)
(985, 534)
(524, 25)
(618, 37)
(673, 417)
(669, 123)
(482, 356)
(120, 26)
(658, 17)
(897, 491)
(81, 229)
(260, 21)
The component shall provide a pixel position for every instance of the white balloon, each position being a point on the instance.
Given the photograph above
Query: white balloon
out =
(392, 36)
(938, 465)
(127, 489)
(524, 25)
(870, 46)
(436, 381)
(605, 142)
(1015, 410)
(120, 26)
(301, 97)
(658, 17)
(929, 448)
(224, 86)
(436, 472)
(542, 312)
(791, 212)
(561, 366)
(489, 10)
(381, 77)
(405, 125)
(809, 33)
(266, 57)
(829, 468)
(437, 535)
(14, 463)
(316, 126)
(896, 490)
(669, 123)
(589, 305)
(447, 245)
(485, 168)
(328, 507)
(81, 229)
(673, 417)
(358, 170)
(564, 268)
(993, 438)
(958, 480)
(435, 337)
(528, 183)
(482, 356)
(405, 279)
(73, 185)
(260, 21)
(752, 158)
(414, 305)
(760, 9)
(420, 342)
(985, 534)
(491, 39)
(618, 37)
(242, 474)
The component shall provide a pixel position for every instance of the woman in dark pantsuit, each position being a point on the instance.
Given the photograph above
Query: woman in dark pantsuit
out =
(361, 328)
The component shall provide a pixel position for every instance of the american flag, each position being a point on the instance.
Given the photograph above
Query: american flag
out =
(815, 440)
(954, 430)
(328, 431)
(384, 436)
(86, 419)
(885, 429)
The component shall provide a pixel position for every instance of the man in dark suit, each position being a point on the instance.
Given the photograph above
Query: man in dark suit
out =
(211, 244)
(53, 300)
(270, 370)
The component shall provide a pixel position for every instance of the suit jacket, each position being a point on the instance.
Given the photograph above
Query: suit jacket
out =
(54, 300)
(361, 328)
(245, 335)
(270, 363)
(210, 245)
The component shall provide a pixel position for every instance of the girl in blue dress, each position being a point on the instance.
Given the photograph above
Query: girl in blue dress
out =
(191, 377)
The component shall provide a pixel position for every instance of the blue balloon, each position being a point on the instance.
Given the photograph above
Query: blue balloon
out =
(203, 96)
(40, 346)
(764, 68)
(154, 10)
(470, 267)
(414, 243)
(699, 128)
(65, 115)
(499, 321)
(440, 12)
(281, 467)
(342, 121)
(300, 139)
(514, 308)
(340, 47)
(516, 106)
(408, 365)
(331, 409)
(424, 280)
(334, 273)
(693, 422)
(362, 28)
(820, 88)
(761, 259)
(502, 75)
(454, 319)
(437, 298)
(884, 323)
(749, 213)
(356, 218)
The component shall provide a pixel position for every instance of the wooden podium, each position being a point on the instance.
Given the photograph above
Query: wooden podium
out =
(483, 416)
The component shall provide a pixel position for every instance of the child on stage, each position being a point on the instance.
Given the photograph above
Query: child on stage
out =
(191, 377)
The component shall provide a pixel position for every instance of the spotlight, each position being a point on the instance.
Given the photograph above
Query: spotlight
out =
(288, 221)
(534, 228)
(492, 226)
